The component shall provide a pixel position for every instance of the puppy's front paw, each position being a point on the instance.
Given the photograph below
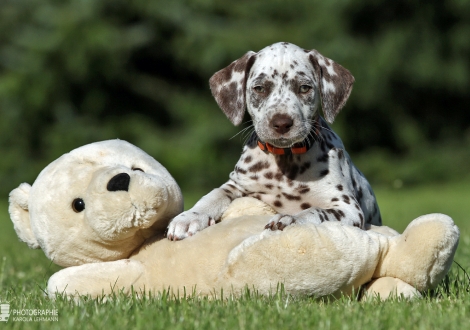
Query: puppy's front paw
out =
(187, 224)
(280, 221)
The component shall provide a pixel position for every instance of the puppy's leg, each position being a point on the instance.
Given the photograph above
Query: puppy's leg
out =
(206, 212)
(337, 205)
(350, 215)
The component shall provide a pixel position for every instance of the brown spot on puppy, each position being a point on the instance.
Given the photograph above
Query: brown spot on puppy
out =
(261, 165)
(324, 172)
(268, 175)
(305, 206)
(291, 197)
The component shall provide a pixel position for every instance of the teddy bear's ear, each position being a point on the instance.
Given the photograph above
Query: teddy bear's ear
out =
(19, 214)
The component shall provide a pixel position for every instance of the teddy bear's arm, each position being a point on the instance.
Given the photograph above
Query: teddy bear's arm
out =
(96, 279)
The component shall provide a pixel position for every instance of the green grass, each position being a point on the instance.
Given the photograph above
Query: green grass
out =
(24, 272)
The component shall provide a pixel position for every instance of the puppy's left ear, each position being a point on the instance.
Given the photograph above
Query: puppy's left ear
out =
(335, 84)
(228, 87)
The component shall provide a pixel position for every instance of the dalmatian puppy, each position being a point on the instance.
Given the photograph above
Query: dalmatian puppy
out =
(293, 161)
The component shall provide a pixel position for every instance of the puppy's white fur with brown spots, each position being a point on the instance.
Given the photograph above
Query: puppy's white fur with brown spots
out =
(282, 87)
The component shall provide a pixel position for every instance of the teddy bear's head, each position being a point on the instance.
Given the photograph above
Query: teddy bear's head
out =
(97, 203)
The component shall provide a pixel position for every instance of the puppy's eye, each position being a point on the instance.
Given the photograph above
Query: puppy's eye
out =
(304, 89)
(138, 169)
(78, 205)
(259, 89)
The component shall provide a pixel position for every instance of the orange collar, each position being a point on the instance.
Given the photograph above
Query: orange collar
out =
(298, 148)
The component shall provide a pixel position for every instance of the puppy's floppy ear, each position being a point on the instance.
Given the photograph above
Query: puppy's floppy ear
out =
(19, 214)
(228, 87)
(335, 84)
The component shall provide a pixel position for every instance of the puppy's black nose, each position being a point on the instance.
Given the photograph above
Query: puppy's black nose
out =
(281, 123)
(119, 182)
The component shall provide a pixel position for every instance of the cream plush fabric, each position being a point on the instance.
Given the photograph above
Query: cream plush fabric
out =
(117, 241)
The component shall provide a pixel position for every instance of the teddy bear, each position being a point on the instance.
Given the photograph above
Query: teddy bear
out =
(96, 203)
(102, 210)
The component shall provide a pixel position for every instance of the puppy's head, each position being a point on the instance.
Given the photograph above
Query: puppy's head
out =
(282, 86)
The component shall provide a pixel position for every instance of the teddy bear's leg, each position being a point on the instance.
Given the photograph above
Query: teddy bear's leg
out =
(96, 279)
(423, 254)
(389, 287)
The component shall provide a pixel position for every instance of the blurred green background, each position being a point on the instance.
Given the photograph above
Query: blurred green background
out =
(75, 72)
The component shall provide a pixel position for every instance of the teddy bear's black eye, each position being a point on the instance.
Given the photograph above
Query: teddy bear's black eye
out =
(78, 205)
(138, 169)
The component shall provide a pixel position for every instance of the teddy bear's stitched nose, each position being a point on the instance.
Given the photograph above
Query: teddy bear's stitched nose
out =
(119, 182)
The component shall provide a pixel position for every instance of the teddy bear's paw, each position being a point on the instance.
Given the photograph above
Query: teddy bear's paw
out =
(280, 221)
(187, 224)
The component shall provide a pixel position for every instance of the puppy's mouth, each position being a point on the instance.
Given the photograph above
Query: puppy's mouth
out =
(283, 141)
